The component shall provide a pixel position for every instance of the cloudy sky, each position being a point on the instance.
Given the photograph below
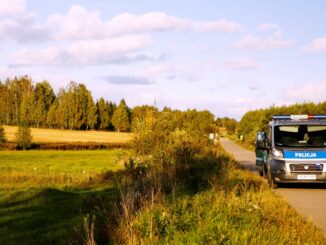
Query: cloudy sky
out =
(225, 56)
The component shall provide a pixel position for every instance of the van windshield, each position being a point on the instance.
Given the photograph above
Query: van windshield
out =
(300, 135)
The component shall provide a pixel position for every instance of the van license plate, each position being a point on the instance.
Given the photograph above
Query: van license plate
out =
(306, 177)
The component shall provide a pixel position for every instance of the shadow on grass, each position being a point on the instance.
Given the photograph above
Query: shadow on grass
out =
(48, 216)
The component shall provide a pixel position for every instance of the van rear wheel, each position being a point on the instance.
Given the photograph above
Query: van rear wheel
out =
(263, 170)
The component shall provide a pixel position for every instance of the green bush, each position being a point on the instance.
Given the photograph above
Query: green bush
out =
(2, 135)
(24, 137)
(166, 161)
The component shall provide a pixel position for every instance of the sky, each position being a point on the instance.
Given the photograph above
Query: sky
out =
(224, 56)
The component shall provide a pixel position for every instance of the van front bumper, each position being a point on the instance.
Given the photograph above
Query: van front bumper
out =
(281, 172)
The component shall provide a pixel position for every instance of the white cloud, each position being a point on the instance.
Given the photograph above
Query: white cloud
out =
(317, 46)
(22, 30)
(77, 24)
(266, 27)
(250, 42)
(314, 91)
(127, 80)
(12, 8)
(18, 24)
(80, 23)
(216, 25)
(165, 68)
(171, 71)
(239, 106)
(242, 64)
(87, 52)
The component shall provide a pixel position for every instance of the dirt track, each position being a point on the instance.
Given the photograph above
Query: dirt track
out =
(309, 200)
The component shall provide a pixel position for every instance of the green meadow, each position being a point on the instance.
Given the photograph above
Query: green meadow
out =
(45, 195)
(59, 162)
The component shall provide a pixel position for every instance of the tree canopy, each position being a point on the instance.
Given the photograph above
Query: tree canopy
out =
(121, 117)
(73, 107)
(257, 120)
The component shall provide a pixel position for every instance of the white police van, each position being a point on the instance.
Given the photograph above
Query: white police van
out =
(293, 150)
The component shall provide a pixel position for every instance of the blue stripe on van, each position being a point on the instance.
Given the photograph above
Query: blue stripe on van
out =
(305, 154)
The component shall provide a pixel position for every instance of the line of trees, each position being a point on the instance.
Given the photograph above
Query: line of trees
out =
(229, 124)
(73, 107)
(256, 120)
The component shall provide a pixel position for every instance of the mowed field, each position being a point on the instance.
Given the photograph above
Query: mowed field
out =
(67, 136)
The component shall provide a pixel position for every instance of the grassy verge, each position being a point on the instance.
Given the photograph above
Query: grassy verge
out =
(214, 201)
(239, 210)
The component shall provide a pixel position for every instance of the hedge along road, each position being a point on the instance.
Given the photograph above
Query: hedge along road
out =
(309, 200)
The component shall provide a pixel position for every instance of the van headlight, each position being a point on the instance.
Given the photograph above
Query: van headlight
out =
(277, 153)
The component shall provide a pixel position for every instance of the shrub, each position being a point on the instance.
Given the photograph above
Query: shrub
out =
(24, 137)
(2, 135)
(166, 161)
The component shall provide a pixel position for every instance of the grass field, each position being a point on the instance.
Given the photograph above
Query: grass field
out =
(64, 136)
(59, 162)
(45, 195)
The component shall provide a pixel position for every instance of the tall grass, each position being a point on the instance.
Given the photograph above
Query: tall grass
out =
(183, 190)
(237, 207)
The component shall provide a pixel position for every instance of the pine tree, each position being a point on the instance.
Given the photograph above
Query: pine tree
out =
(53, 115)
(19, 88)
(26, 108)
(110, 107)
(63, 109)
(103, 118)
(24, 136)
(121, 117)
(3, 102)
(90, 112)
(43, 99)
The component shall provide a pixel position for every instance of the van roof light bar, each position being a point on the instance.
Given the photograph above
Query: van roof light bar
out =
(320, 116)
(299, 117)
(281, 117)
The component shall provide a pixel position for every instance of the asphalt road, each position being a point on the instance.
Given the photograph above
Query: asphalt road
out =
(309, 200)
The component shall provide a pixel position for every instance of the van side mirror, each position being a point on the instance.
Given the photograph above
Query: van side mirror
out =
(261, 140)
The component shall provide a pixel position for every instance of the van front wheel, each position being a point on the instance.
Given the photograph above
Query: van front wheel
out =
(272, 184)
